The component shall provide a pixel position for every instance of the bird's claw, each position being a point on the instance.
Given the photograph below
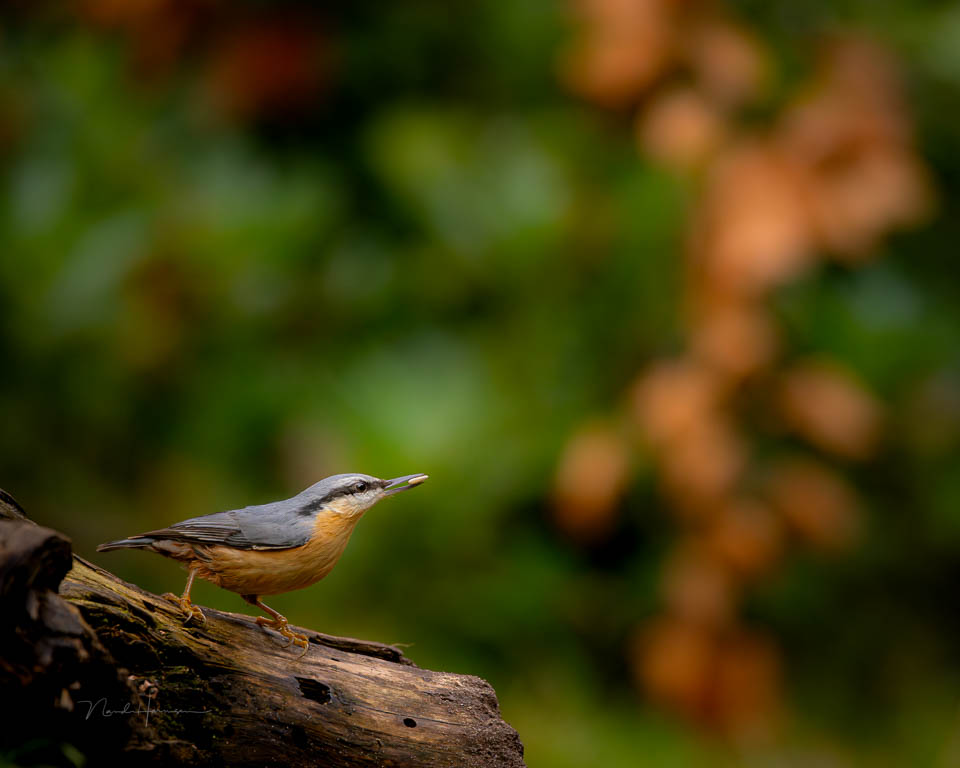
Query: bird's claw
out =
(192, 611)
(281, 626)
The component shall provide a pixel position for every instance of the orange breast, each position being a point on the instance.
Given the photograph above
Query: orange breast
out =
(271, 572)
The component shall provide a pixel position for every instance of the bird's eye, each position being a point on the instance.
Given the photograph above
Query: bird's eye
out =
(361, 487)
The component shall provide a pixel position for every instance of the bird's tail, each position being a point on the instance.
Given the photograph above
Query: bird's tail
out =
(134, 542)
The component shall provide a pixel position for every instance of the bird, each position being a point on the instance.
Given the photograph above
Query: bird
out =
(272, 548)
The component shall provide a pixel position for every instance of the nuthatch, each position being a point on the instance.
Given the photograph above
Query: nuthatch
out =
(270, 548)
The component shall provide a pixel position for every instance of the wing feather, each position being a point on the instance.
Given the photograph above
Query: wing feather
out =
(280, 525)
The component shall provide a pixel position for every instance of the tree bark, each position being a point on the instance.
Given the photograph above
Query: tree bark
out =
(92, 664)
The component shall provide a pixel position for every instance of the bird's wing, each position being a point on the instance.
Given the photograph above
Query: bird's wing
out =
(279, 525)
(219, 528)
(268, 526)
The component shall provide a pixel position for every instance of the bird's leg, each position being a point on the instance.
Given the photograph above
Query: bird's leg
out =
(192, 611)
(277, 622)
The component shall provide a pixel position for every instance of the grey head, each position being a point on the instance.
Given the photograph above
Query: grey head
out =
(289, 523)
(352, 493)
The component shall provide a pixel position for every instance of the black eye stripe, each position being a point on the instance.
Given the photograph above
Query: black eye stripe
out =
(359, 486)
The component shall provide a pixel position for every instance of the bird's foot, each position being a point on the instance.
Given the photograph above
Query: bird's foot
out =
(281, 626)
(192, 611)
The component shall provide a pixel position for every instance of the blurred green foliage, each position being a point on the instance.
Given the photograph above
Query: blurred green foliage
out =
(445, 264)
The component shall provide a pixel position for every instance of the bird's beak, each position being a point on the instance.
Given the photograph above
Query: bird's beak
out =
(398, 484)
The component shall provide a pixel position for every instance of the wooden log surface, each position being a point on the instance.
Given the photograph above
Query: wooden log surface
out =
(109, 669)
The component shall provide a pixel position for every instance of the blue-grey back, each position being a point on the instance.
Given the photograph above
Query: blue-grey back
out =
(277, 525)
(287, 523)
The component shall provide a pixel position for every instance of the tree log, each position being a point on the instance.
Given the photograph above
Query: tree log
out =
(92, 664)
